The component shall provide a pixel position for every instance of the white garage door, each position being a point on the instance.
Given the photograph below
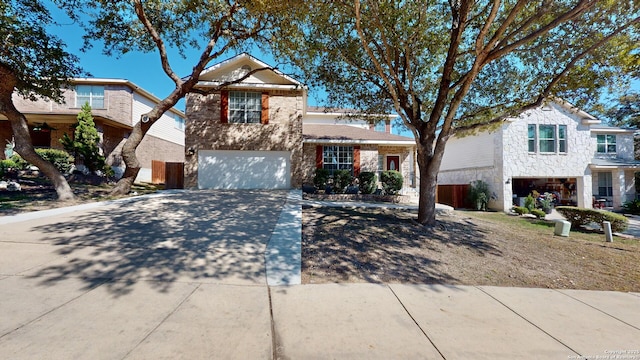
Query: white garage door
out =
(227, 169)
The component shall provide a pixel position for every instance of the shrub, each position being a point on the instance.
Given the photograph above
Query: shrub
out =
(391, 181)
(321, 178)
(367, 181)
(520, 210)
(6, 166)
(632, 207)
(84, 144)
(540, 214)
(479, 194)
(341, 179)
(59, 158)
(580, 216)
(530, 202)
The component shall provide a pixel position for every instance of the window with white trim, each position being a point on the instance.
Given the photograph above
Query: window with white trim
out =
(245, 107)
(337, 158)
(547, 139)
(531, 137)
(606, 144)
(91, 94)
(178, 122)
(605, 184)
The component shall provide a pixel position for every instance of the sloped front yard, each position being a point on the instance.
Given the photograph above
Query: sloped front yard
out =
(466, 248)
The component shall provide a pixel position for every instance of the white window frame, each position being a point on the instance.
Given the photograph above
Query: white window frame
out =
(96, 95)
(245, 107)
(178, 122)
(609, 147)
(337, 157)
(558, 139)
(605, 181)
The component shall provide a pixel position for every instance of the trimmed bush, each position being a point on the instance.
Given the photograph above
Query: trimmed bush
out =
(6, 166)
(540, 214)
(59, 158)
(341, 179)
(580, 217)
(632, 207)
(530, 202)
(520, 210)
(367, 181)
(321, 178)
(391, 181)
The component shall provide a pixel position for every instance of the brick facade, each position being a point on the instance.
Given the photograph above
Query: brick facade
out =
(205, 131)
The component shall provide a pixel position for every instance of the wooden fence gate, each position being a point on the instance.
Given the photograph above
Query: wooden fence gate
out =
(171, 174)
(454, 195)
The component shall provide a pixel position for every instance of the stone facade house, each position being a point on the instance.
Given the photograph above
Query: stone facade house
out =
(555, 148)
(116, 106)
(260, 133)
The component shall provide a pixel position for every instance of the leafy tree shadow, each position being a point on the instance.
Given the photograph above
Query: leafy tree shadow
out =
(384, 246)
(209, 236)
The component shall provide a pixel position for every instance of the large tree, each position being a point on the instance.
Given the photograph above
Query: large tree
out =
(448, 67)
(214, 27)
(33, 64)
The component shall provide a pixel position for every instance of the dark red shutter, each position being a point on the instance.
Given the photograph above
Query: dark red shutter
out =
(264, 116)
(224, 107)
(356, 160)
(319, 157)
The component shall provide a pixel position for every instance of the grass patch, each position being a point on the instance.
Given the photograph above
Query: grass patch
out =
(543, 228)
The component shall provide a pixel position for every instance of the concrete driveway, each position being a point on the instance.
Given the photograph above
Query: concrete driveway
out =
(95, 283)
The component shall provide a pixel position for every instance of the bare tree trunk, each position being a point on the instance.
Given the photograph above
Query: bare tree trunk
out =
(428, 183)
(130, 159)
(24, 147)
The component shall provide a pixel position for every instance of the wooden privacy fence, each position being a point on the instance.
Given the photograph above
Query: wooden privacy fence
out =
(453, 195)
(171, 174)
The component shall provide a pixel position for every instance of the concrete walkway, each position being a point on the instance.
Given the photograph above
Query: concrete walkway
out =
(192, 276)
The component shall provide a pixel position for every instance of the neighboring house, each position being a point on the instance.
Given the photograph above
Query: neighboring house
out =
(260, 133)
(116, 106)
(555, 148)
(334, 141)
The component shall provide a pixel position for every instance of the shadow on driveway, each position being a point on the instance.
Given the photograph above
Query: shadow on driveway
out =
(209, 236)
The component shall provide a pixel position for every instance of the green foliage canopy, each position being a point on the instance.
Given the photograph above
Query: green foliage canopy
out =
(36, 58)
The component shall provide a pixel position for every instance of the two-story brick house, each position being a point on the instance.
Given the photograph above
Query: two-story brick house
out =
(260, 133)
(555, 148)
(116, 106)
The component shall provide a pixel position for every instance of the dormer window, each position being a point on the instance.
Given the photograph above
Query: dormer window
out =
(606, 144)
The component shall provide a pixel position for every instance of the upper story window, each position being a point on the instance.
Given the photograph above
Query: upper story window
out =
(178, 122)
(92, 94)
(245, 107)
(606, 144)
(337, 158)
(547, 138)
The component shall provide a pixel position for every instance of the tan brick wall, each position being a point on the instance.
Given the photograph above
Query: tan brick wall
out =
(118, 104)
(204, 131)
(153, 148)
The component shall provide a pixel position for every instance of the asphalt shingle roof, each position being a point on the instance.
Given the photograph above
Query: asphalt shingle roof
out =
(347, 132)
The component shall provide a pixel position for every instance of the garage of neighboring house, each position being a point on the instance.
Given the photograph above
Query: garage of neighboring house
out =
(241, 169)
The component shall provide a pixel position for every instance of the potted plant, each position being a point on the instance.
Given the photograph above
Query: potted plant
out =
(546, 203)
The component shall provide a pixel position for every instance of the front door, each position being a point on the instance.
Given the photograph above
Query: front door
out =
(393, 163)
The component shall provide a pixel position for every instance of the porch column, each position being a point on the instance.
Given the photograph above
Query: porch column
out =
(584, 190)
(619, 188)
(506, 194)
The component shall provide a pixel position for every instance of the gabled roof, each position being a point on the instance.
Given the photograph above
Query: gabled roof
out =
(239, 65)
(343, 134)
